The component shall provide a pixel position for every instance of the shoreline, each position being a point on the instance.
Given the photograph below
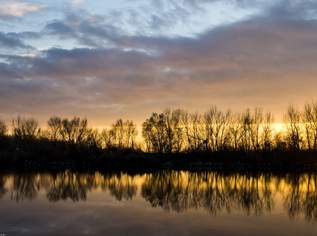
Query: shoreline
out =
(148, 162)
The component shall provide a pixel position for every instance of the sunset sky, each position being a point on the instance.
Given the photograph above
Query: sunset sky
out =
(127, 58)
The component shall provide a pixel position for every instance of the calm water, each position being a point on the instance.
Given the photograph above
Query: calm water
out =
(164, 203)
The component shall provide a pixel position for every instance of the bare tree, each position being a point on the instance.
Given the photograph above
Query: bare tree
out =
(186, 124)
(293, 122)
(118, 133)
(251, 127)
(310, 124)
(178, 130)
(198, 133)
(55, 127)
(74, 130)
(149, 137)
(106, 138)
(210, 123)
(169, 130)
(174, 130)
(123, 134)
(154, 133)
(131, 133)
(257, 120)
(192, 127)
(217, 128)
(24, 128)
(235, 131)
(267, 131)
(246, 137)
(165, 132)
(280, 141)
(93, 139)
(3, 128)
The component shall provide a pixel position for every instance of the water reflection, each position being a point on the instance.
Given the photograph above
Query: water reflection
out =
(24, 187)
(122, 187)
(252, 194)
(3, 190)
(179, 191)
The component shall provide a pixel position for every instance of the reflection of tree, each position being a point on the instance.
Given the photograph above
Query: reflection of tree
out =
(122, 187)
(3, 189)
(164, 189)
(74, 186)
(69, 185)
(25, 186)
(178, 191)
(302, 196)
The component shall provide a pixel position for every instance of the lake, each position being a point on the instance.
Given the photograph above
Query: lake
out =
(160, 203)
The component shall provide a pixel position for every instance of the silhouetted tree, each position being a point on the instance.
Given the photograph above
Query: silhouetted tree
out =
(257, 121)
(280, 141)
(131, 133)
(251, 123)
(106, 138)
(217, 129)
(246, 137)
(267, 131)
(3, 128)
(165, 132)
(195, 131)
(93, 139)
(310, 123)
(75, 130)
(25, 128)
(55, 127)
(174, 130)
(235, 131)
(117, 131)
(293, 123)
(122, 134)
(154, 133)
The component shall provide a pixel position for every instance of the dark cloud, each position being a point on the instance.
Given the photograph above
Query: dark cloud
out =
(10, 40)
(88, 30)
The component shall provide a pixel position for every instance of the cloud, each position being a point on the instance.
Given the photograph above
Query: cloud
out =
(17, 8)
(250, 63)
(171, 19)
(268, 61)
(12, 41)
(160, 18)
(86, 29)
(77, 3)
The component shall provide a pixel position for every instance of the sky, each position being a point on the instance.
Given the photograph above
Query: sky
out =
(128, 58)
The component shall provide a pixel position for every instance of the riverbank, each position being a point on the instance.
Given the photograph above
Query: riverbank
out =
(146, 162)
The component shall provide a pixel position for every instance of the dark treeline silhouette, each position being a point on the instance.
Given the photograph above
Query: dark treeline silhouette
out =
(215, 192)
(215, 130)
(170, 132)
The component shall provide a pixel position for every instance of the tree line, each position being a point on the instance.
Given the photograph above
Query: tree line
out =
(75, 131)
(175, 131)
(217, 130)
